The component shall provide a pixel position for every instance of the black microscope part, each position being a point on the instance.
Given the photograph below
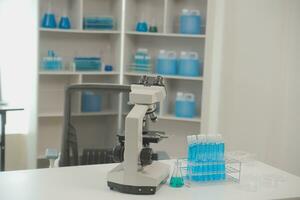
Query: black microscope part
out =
(146, 156)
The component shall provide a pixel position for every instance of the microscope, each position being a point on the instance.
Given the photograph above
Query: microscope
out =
(138, 173)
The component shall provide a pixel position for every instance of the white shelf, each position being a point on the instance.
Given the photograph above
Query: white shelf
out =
(81, 114)
(164, 34)
(56, 30)
(95, 113)
(50, 115)
(107, 113)
(76, 73)
(174, 118)
(137, 74)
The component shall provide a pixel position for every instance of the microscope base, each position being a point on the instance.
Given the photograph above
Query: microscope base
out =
(129, 189)
(145, 182)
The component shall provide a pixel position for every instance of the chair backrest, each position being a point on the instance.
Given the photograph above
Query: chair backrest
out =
(93, 116)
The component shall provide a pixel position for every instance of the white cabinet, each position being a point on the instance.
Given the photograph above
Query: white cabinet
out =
(117, 47)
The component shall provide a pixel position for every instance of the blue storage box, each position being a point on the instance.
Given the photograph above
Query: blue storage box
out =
(190, 22)
(185, 108)
(51, 64)
(90, 102)
(87, 63)
(189, 67)
(166, 63)
(141, 61)
(98, 23)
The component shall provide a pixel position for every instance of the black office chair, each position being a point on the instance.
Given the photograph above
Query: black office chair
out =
(80, 144)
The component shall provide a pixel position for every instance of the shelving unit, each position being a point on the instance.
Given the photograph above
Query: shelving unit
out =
(165, 34)
(79, 31)
(172, 117)
(139, 74)
(116, 47)
(78, 73)
(102, 113)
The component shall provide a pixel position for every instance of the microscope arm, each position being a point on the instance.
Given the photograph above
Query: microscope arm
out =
(134, 138)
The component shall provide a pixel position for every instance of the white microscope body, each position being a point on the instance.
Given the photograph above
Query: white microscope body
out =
(132, 175)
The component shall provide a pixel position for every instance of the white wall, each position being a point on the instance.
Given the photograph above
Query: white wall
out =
(260, 89)
(16, 152)
(18, 59)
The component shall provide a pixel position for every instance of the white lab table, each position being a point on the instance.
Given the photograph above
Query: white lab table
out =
(258, 181)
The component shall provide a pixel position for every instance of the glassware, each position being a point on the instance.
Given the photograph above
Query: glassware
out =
(64, 23)
(49, 20)
(153, 27)
(177, 178)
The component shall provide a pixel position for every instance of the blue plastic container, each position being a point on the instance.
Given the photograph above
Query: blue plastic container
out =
(87, 63)
(166, 63)
(189, 67)
(185, 105)
(48, 20)
(185, 109)
(90, 102)
(189, 64)
(190, 22)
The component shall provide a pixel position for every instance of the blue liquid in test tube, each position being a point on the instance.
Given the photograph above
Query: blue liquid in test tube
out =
(201, 139)
(222, 151)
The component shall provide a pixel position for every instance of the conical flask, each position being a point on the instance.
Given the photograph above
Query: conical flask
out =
(177, 179)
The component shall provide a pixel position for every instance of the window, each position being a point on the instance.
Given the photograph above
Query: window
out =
(18, 60)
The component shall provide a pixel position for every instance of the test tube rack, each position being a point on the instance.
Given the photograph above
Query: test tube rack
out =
(232, 171)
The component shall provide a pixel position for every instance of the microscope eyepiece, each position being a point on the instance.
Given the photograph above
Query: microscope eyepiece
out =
(144, 80)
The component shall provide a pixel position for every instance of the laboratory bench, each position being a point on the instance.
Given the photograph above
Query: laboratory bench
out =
(258, 181)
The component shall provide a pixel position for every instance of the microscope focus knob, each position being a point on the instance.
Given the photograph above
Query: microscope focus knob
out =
(159, 81)
(118, 153)
(153, 117)
(146, 156)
